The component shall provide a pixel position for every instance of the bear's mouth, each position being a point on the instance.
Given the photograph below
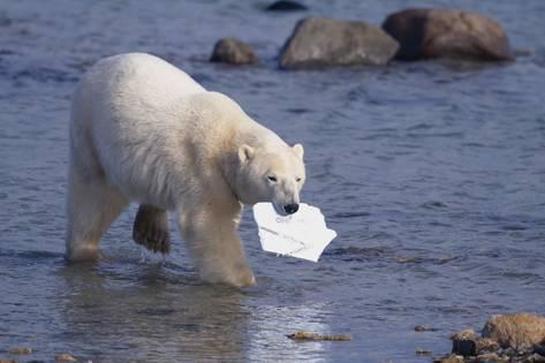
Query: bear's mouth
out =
(279, 210)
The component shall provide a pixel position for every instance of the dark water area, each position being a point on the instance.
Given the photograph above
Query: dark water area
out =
(432, 173)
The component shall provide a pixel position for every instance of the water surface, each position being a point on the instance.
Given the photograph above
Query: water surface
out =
(432, 173)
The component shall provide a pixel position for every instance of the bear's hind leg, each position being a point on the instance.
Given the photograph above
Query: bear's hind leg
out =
(92, 206)
(151, 229)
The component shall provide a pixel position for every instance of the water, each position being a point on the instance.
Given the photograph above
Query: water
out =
(432, 173)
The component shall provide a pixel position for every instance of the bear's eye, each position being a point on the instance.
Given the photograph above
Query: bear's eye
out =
(271, 178)
(297, 180)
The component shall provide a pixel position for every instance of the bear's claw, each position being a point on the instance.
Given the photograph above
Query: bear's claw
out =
(151, 229)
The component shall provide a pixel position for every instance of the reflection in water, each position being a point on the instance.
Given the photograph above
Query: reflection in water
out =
(273, 323)
(154, 313)
(150, 314)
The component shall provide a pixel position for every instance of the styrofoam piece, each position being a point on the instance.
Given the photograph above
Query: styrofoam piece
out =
(302, 235)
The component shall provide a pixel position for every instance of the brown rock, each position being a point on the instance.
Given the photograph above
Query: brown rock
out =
(65, 357)
(233, 51)
(519, 331)
(453, 358)
(438, 33)
(490, 358)
(7, 360)
(467, 343)
(464, 334)
(487, 345)
(321, 42)
(309, 336)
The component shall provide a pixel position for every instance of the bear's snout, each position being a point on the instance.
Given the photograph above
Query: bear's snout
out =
(291, 208)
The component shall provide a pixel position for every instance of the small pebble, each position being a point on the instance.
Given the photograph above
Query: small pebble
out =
(424, 328)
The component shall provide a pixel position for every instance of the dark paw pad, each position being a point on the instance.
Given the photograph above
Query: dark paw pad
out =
(151, 229)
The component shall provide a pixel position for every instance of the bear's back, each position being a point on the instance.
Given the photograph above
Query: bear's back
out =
(138, 79)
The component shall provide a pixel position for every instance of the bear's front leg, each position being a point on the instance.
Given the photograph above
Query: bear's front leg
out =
(214, 242)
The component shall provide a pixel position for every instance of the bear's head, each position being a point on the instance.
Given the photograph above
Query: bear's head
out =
(273, 175)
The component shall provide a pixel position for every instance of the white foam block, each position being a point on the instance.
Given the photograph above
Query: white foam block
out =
(302, 235)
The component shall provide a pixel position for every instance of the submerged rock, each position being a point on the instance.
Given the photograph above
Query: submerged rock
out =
(518, 331)
(65, 357)
(286, 5)
(438, 33)
(233, 51)
(321, 42)
(309, 336)
(422, 351)
(20, 350)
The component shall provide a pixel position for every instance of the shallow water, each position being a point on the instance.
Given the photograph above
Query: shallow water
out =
(432, 173)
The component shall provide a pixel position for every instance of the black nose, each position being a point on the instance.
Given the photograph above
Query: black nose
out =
(291, 208)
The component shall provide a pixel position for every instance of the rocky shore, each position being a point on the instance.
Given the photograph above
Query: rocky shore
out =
(513, 338)
(407, 35)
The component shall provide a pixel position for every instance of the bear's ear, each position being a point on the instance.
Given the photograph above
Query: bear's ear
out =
(245, 153)
(298, 149)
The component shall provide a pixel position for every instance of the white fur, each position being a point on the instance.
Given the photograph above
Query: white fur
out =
(142, 130)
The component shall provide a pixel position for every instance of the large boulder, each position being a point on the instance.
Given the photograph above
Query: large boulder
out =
(435, 33)
(519, 331)
(233, 51)
(321, 42)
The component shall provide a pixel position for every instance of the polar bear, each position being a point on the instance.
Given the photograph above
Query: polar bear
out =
(143, 130)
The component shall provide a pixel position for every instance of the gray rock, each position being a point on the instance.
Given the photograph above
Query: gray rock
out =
(321, 42)
(438, 33)
(286, 5)
(233, 51)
